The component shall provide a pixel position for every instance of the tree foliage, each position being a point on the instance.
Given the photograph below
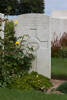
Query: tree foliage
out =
(8, 6)
(14, 7)
(29, 6)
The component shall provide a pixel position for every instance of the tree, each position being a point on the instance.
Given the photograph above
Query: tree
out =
(32, 6)
(3, 5)
(15, 7)
(8, 6)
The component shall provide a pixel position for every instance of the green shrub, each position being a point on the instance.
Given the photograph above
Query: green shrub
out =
(39, 82)
(59, 46)
(17, 55)
(64, 52)
(63, 87)
(56, 48)
(31, 81)
(63, 40)
(20, 83)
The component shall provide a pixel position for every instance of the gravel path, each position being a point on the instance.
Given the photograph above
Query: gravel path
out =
(55, 83)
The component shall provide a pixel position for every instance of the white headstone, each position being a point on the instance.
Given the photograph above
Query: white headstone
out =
(2, 26)
(58, 23)
(37, 26)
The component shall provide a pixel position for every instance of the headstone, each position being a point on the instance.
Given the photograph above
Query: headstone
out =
(57, 27)
(37, 26)
(58, 23)
(2, 26)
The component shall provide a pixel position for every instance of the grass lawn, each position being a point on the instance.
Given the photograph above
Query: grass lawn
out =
(59, 68)
(6, 94)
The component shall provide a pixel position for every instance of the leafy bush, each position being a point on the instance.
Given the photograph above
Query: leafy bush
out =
(30, 81)
(56, 48)
(59, 46)
(39, 82)
(63, 40)
(16, 54)
(20, 83)
(63, 87)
